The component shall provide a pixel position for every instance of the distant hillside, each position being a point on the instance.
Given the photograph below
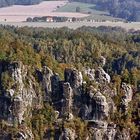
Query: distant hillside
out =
(4, 3)
(127, 9)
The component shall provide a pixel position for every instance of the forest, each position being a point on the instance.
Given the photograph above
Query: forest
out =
(79, 47)
(126, 9)
(4, 3)
(64, 48)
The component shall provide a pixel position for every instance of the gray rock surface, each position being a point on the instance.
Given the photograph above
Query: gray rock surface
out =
(18, 101)
(68, 134)
(123, 135)
(74, 77)
(68, 100)
(102, 61)
(20, 95)
(127, 96)
(46, 82)
(90, 73)
(96, 107)
(101, 76)
(93, 104)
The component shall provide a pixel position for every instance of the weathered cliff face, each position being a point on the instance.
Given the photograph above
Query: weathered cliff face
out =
(95, 106)
(68, 134)
(46, 82)
(70, 98)
(127, 96)
(20, 97)
(104, 132)
(67, 100)
(98, 75)
(101, 76)
(74, 77)
(124, 135)
(90, 73)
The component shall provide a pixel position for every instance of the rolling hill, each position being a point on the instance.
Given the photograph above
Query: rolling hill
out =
(126, 9)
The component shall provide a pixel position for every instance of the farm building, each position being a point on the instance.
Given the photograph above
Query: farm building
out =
(49, 19)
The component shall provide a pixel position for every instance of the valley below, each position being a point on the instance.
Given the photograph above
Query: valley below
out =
(17, 15)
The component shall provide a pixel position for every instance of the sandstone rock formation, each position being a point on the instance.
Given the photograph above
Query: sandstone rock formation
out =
(101, 76)
(90, 73)
(46, 81)
(127, 97)
(67, 101)
(69, 98)
(68, 134)
(74, 77)
(18, 101)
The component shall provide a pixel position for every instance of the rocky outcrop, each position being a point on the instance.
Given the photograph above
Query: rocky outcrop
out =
(68, 134)
(56, 88)
(96, 106)
(102, 131)
(127, 96)
(46, 82)
(90, 73)
(74, 77)
(70, 98)
(25, 134)
(101, 106)
(67, 100)
(110, 133)
(20, 98)
(102, 61)
(123, 135)
(97, 75)
(19, 95)
(101, 76)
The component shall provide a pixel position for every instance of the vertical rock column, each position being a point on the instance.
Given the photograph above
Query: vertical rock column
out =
(74, 77)
(46, 82)
(128, 93)
(67, 102)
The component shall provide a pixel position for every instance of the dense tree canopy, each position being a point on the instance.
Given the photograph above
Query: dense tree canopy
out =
(21, 2)
(81, 47)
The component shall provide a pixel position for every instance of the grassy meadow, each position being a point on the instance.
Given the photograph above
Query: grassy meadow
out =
(87, 8)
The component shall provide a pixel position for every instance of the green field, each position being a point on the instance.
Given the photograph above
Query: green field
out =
(86, 8)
